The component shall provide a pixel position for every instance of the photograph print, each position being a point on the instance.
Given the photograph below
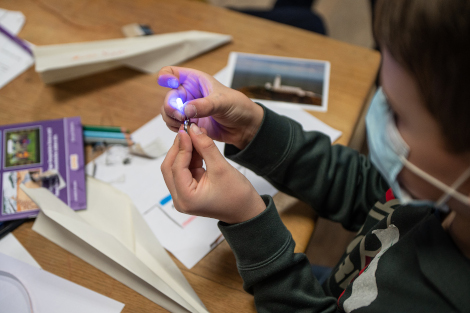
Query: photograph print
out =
(281, 80)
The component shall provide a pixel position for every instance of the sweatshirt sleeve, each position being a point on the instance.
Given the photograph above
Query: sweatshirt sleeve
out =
(338, 182)
(279, 279)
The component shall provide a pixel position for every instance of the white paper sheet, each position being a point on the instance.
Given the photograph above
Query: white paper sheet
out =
(12, 21)
(10, 246)
(26, 288)
(14, 59)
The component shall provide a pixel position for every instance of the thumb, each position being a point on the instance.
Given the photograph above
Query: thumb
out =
(201, 107)
(180, 168)
(205, 146)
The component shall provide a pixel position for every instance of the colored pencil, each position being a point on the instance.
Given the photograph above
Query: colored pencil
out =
(104, 134)
(113, 129)
(110, 141)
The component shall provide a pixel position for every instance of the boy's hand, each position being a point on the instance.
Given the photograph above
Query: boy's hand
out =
(219, 191)
(228, 115)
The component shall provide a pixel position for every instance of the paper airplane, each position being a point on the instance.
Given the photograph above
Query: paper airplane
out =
(112, 236)
(58, 63)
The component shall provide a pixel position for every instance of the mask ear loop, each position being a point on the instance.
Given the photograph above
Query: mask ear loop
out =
(445, 197)
(10, 275)
(448, 191)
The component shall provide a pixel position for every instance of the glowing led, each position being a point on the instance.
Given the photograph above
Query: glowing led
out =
(179, 104)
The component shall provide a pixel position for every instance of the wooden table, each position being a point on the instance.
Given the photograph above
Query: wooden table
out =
(128, 98)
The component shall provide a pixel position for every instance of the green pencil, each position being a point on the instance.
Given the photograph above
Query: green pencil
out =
(112, 129)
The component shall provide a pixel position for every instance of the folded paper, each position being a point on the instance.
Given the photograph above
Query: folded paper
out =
(57, 63)
(112, 236)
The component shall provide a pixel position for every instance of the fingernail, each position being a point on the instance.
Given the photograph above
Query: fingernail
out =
(190, 111)
(195, 129)
(173, 83)
(179, 136)
(178, 116)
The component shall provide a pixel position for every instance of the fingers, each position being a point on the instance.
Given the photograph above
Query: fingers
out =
(166, 167)
(172, 124)
(201, 107)
(172, 107)
(174, 76)
(183, 178)
(206, 147)
(169, 76)
(196, 160)
(198, 90)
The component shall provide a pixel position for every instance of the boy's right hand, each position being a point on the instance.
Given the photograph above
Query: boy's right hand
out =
(216, 190)
(228, 115)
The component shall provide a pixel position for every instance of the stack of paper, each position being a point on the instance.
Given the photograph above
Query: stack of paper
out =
(112, 236)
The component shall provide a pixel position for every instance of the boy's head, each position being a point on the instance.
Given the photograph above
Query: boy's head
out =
(426, 78)
(431, 40)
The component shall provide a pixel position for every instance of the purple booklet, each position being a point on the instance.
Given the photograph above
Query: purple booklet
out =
(46, 154)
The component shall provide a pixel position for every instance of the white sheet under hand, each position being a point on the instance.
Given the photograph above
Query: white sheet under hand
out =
(25, 288)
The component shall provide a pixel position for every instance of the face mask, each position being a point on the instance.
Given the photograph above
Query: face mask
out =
(389, 153)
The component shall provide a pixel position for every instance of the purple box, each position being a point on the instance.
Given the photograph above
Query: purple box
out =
(33, 154)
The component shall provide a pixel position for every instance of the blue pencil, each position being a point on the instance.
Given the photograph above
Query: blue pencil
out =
(103, 134)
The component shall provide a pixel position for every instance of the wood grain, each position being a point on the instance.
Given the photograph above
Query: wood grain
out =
(125, 97)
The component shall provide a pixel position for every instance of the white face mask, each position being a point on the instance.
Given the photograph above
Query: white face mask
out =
(389, 154)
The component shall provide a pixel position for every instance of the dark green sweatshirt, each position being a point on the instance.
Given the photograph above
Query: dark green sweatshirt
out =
(401, 259)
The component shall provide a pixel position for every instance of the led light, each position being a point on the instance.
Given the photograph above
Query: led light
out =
(179, 104)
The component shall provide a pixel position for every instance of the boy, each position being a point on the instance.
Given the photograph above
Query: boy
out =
(409, 201)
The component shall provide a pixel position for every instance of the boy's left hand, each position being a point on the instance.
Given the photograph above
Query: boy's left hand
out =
(219, 191)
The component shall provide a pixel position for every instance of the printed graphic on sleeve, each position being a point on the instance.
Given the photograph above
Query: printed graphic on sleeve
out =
(364, 287)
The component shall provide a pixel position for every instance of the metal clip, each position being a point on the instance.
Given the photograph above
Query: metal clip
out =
(186, 125)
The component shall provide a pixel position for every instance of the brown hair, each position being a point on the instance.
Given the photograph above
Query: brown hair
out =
(431, 39)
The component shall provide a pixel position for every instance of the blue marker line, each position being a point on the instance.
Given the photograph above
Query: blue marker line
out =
(165, 200)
